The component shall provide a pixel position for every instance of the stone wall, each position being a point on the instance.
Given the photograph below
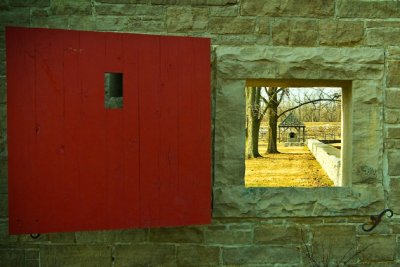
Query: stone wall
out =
(329, 159)
(355, 44)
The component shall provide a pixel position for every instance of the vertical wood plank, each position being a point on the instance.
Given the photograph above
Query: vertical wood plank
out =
(202, 94)
(168, 127)
(188, 118)
(93, 185)
(130, 185)
(69, 189)
(49, 157)
(21, 128)
(149, 112)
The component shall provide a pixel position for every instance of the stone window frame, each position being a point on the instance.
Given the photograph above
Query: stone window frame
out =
(359, 71)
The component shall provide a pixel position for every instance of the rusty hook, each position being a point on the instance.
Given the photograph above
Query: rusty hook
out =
(35, 236)
(376, 219)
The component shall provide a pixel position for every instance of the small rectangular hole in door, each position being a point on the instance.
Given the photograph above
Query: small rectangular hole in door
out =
(113, 90)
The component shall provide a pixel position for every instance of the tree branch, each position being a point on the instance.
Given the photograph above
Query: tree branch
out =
(308, 102)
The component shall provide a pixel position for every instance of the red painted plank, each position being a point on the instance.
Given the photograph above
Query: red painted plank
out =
(188, 174)
(150, 136)
(168, 126)
(21, 128)
(129, 187)
(202, 94)
(92, 134)
(72, 124)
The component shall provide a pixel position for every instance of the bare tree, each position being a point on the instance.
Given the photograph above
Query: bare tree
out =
(259, 100)
(253, 121)
(256, 107)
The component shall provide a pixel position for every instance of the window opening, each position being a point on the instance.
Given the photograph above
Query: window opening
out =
(113, 90)
(293, 136)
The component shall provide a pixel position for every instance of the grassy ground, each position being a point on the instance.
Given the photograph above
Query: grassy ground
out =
(293, 167)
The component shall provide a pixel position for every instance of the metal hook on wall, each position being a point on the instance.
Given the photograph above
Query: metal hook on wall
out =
(375, 220)
(35, 236)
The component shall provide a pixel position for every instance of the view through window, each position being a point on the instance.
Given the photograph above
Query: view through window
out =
(293, 136)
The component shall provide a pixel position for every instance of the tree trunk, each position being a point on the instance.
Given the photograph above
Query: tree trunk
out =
(253, 121)
(272, 121)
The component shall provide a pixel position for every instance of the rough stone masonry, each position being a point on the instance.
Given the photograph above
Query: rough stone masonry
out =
(351, 40)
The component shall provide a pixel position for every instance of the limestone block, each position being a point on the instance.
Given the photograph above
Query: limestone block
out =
(367, 131)
(3, 116)
(335, 240)
(75, 255)
(299, 63)
(276, 234)
(392, 144)
(83, 22)
(367, 9)
(382, 36)
(263, 25)
(2, 68)
(231, 25)
(122, 236)
(240, 39)
(136, 24)
(392, 98)
(12, 257)
(27, 239)
(30, 3)
(45, 20)
(297, 32)
(224, 11)
(112, 23)
(394, 195)
(145, 255)
(260, 254)
(4, 5)
(3, 89)
(200, 19)
(214, 2)
(177, 235)
(230, 147)
(379, 23)
(393, 157)
(229, 172)
(3, 176)
(393, 52)
(392, 116)
(341, 33)
(5, 238)
(66, 238)
(228, 237)
(179, 19)
(170, 2)
(393, 78)
(115, 9)
(393, 132)
(382, 248)
(194, 255)
(292, 8)
(71, 7)
(14, 17)
(237, 201)
(123, 1)
(3, 206)
(329, 159)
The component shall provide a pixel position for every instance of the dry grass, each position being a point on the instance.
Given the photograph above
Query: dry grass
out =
(293, 167)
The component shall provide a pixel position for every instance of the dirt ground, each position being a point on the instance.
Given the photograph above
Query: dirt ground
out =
(293, 167)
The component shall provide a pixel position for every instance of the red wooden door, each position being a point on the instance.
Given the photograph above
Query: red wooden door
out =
(75, 164)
